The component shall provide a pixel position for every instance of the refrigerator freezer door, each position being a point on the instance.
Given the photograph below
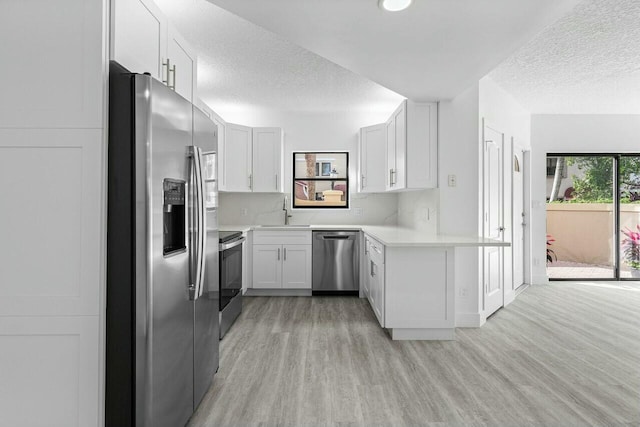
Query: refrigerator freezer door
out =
(164, 341)
(206, 327)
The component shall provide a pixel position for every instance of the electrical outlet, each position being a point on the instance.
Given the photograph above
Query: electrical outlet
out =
(463, 292)
(536, 262)
(453, 181)
(244, 211)
(357, 211)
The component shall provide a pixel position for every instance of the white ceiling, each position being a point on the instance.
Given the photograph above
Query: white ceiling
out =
(582, 59)
(586, 63)
(433, 50)
(244, 69)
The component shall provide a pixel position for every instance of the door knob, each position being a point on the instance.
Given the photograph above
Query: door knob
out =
(500, 228)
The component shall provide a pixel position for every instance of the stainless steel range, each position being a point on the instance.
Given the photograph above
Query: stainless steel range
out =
(230, 278)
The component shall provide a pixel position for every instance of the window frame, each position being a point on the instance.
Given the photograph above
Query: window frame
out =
(320, 179)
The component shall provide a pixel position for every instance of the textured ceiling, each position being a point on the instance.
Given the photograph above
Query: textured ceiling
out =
(433, 50)
(245, 68)
(586, 63)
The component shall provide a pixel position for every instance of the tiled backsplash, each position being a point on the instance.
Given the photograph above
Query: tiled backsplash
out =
(266, 209)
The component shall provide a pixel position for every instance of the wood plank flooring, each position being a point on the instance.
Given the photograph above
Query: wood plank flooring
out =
(560, 355)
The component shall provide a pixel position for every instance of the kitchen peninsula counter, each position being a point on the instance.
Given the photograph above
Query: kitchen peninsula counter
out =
(387, 235)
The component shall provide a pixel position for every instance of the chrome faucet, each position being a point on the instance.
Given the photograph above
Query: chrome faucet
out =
(286, 213)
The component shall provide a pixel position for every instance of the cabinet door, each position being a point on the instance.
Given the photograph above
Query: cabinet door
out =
(237, 158)
(59, 172)
(51, 365)
(139, 36)
(267, 160)
(365, 274)
(221, 145)
(373, 141)
(296, 267)
(267, 266)
(52, 65)
(400, 145)
(377, 289)
(390, 154)
(183, 64)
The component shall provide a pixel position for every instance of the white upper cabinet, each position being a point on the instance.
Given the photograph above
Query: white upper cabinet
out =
(237, 158)
(421, 155)
(143, 41)
(396, 149)
(372, 160)
(410, 150)
(182, 64)
(138, 34)
(267, 160)
(252, 159)
(53, 64)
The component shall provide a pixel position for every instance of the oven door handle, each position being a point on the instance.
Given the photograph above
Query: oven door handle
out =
(232, 244)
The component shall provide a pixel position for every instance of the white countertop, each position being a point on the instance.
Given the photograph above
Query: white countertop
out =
(387, 235)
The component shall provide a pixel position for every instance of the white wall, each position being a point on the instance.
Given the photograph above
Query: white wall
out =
(330, 131)
(458, 153)
(586, 133)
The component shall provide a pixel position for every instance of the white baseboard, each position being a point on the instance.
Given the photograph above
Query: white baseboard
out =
(422, 334)
(468, 320)
(278, 292)
(540, 280)
(509, 297)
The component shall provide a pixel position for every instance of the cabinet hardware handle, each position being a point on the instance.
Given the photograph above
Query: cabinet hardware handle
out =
(250, 182)
(276, 182)
(172, 70)
(278, 254)
(363, 181)
(390, 177)
(371, 269)
(165, 71)
(500, 228)
(285, 253)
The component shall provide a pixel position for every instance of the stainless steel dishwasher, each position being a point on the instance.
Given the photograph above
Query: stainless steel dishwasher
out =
(336, 262)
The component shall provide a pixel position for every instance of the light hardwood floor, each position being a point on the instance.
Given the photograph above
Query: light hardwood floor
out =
(560, 355)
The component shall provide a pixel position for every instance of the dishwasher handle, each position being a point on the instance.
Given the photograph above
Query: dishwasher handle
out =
(336, 236)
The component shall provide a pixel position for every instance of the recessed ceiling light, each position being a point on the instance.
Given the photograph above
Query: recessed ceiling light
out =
(394, 5)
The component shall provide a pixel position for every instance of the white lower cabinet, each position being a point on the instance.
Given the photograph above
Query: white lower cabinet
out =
(282, 260)
(411, 289)
(375, 278)
(267, 266)
(296, 266)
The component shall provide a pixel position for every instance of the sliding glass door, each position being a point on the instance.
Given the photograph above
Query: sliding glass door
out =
(593, 216)
(629, 217)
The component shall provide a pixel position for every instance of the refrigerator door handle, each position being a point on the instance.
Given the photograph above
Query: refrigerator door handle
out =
(194, 288)
(202, 231)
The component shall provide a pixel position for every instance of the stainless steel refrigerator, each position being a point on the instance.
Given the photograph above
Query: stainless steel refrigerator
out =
(162, 254)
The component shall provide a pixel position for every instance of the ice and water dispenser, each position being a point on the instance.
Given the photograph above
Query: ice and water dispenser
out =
(173, 216)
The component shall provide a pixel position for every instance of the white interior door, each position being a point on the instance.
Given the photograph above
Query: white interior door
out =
(519, 222)
(493, 185)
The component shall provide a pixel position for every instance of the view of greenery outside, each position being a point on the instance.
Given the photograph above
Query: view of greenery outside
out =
(590, 182)
(596, 184)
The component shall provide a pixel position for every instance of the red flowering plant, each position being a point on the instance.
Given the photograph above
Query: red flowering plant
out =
(551, 256)
(631, 247)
